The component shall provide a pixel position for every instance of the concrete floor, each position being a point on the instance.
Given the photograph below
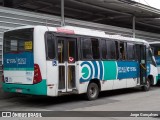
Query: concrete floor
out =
(117, 100)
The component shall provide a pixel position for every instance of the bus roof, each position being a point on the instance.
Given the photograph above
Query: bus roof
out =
(156, 42)
(83, 31)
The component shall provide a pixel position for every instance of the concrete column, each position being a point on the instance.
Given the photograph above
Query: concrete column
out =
(133, 26)
(62, 13)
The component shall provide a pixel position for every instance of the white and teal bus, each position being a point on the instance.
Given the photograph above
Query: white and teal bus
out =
(53, 61)
(156, 51)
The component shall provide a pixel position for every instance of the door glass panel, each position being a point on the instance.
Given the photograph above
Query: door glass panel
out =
(104, 49)
(71, 51)
(66, 56)
(95, 48)
(61, 77)
(61, 51)
(71, 77)
(137, 52)
(111, 50)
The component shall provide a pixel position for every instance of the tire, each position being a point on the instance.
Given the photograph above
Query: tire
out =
(158, 83)
(92, 91)
(147, 86)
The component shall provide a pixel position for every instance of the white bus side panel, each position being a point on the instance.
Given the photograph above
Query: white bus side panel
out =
(119, 83)
(107, 85)
(52, 79)
(154, 72)
(132, 82)
(39, 50)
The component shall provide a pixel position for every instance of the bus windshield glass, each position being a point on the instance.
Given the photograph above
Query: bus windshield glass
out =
(156, 49)
(18, 41)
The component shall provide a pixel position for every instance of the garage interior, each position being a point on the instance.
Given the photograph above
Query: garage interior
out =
(124, 17)
(110, 12)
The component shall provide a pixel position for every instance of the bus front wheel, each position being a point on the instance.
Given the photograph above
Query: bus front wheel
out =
(92, 91)
(147, 86)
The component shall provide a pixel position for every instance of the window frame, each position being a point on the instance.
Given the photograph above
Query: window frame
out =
(17, 30)
(99, 48)
(46, 45)
(81, 50)
(114, 41)
(78, 57)
(135, 59)
(125, 50)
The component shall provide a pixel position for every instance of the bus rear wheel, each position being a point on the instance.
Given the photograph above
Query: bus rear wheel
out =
(92, 91)
(147, 86)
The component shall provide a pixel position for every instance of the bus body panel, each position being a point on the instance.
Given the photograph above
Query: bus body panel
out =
(23, 73)
(157, 58)
(112, 74)
(39, 54)
(156, 51)
(158, 67)
(52, 78)
(133, 82)
(31, 89)
(18, 62)
(154, 73)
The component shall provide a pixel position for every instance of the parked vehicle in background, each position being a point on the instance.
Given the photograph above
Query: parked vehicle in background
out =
(156, 51)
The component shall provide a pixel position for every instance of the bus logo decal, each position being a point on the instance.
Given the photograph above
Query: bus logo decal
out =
(87, 71)
(108, 70)
(92, 70)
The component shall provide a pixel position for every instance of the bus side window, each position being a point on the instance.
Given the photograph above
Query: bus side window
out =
(61, 50)
(111, 50)
(122, 50)
(104, 49)
(50, 46)
(86, 49)
(130, 51)
(95, 48)
(137, 52)
(117, 50)
(156, 50)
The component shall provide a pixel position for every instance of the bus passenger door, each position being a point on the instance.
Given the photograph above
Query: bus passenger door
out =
(141, 55)
(66, 63)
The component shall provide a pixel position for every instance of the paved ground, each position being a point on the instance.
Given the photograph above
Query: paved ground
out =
(117, 100)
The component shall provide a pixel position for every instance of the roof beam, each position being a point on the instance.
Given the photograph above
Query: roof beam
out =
(109, 18)
(100, 8)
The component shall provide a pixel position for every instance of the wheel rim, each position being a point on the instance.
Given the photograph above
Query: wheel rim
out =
(148, 84)
(92, 92)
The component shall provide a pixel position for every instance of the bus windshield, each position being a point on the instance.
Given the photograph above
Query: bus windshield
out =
(18, 41)
(156, 49)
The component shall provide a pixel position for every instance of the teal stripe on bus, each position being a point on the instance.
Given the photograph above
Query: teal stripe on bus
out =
(33, 89)
(19, 69)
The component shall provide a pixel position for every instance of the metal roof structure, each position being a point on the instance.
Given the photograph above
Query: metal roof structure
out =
(110, 12)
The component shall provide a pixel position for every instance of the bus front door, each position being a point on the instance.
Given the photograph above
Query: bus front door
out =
(141, 55)
(67, 54)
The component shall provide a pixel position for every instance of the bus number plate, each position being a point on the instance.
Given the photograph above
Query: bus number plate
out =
(19, 90)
